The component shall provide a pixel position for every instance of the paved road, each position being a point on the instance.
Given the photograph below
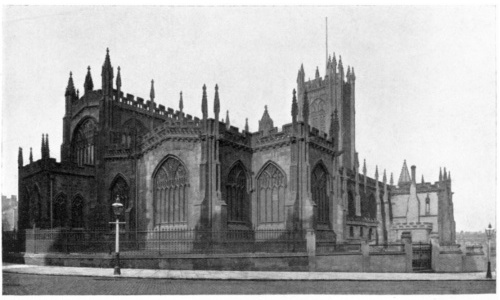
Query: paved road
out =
(28, 284)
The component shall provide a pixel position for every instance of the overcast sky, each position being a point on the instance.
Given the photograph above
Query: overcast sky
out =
(425, 77)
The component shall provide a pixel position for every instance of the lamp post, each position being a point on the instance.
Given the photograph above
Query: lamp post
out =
(117, 210)
(489, 232)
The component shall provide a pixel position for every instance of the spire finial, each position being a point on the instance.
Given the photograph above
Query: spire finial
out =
(440, 174)
(404, 177)
(295, 108)
(181, 104)
(228, 123)
(204, 102)
(364, 167)
(376, 172)
(31, 155)
(445, 174)
(43, 146)
(317, 72)
(70, 88)
(47, 148)
(384, 178)
(266, 124)
(107, 75)
(216, 101)
(246, 125)
(118, 80)
(341, 67)
(152, 92)
(301, 75)
(392, 180)
(20, 158)
(89, 84)
(423, 181)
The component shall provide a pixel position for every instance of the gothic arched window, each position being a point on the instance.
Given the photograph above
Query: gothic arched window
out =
(170, 192)
(317, 115)
(271, 195)
(83, 143)
(59, 211)
(351, 205)
(237, 197)
(134, 130)
(319, 181)
(77, 212)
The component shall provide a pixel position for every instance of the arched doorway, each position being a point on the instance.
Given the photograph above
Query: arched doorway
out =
(238, 207)
(319, 182)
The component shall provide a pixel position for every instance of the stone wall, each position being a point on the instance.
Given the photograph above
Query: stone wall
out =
(352, 262)
(455, 259)
(189, 153)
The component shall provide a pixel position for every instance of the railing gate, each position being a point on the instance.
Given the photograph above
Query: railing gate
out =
(422, 255)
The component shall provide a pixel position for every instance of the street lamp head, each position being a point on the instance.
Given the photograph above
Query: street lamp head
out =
(489, 231)
(117, 207)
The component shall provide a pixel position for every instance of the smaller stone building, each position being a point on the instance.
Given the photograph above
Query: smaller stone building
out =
(422, 211)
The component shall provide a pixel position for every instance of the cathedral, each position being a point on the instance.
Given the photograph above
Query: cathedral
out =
(175, 171)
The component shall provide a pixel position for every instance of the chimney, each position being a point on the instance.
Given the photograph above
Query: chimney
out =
(413, 176)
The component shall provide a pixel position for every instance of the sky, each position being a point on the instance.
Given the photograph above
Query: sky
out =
(425, 77)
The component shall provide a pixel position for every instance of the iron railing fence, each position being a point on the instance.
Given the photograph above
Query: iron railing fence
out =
(182, 241)
(387, 248)
(326, 243)
(422, 256)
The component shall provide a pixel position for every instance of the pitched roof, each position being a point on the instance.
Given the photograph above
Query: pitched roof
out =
(404, 177)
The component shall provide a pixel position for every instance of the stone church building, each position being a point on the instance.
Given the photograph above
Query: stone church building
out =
(172, 170)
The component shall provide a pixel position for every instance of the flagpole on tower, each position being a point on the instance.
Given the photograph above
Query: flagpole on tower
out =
(326, 32)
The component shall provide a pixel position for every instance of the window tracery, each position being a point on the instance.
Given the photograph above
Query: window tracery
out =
(271, 195)
(83, 143)
(170, 193)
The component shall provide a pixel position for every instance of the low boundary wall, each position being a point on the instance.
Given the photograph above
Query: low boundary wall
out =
(461, 258)
(362, 261)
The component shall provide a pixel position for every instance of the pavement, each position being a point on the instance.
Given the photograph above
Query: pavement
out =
(238, 275)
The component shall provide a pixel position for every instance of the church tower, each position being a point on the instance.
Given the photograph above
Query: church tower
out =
(336, 90)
